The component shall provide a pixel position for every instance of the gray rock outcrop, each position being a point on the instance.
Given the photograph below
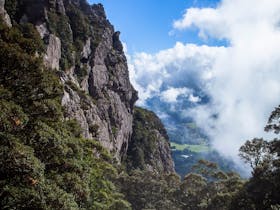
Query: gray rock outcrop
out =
(4, 14)
(53, 53)
(107, 113)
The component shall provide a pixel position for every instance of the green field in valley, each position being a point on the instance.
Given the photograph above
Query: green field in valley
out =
(193, 148)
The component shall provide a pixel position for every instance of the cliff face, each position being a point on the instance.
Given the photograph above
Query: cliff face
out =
(82, 46)
(107, 113)
(149, 148)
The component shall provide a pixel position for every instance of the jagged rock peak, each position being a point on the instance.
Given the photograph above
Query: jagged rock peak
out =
(117, 44)
(99, 10)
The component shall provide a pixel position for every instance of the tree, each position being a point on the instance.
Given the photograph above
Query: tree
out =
(262, 191)
(148, 190)
(273, 123)
(258, 191)
(257, 154)
(209, 188)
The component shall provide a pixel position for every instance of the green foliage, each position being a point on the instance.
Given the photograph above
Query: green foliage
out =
(32, 36)
(144, 116)
(12, 117)
(94, 129)
(114, 130)
(79, 23)
(25, 35)
(147, 190)
(262, 189)
(143, 145)
(273, 123)
(256, 153)
(209, 187)
(11, 6)
(44, 162)
(73, 127)
(59, 25)
(73, 29)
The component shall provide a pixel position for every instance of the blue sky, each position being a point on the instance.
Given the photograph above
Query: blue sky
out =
(145, 24)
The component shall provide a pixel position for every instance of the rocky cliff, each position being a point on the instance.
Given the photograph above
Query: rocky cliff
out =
(83, 46)
(87, 54)
(149, 148)
(68, 123)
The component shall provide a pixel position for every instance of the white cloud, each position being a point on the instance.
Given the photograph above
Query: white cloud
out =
(207, 19)
(173, 67)
(194, 99)
(232, 19)
(242, 80)
(170, 95)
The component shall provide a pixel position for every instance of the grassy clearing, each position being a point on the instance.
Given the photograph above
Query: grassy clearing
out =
(193, 148)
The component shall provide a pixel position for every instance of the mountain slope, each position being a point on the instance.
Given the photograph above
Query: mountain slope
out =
(66, 108)
(149, 148)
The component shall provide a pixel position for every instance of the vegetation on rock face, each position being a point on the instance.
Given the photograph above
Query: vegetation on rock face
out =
(73, 29)
(58, 24)
(44, 162)
(11, 7)
(144, 148)
(79, 24)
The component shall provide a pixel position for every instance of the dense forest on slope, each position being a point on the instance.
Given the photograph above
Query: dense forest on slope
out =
(71, 138)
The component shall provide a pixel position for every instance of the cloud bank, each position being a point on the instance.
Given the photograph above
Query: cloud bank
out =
(242, 80)
(170, 73)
